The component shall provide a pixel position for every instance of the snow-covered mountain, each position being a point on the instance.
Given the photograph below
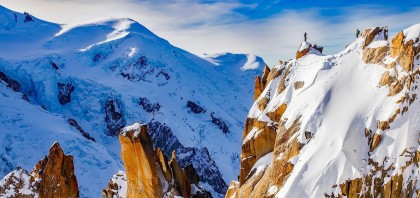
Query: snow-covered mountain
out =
(341, 125)
(79, 85)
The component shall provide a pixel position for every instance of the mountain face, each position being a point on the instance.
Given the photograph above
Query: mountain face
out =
(342, 125)
(79, 85)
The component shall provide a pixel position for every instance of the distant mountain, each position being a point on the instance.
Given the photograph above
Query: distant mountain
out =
(79, 85)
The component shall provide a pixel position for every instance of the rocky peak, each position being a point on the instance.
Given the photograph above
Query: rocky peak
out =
(148, 171)
(52, 177)
(292, 126)
(308, 48)
(138, 155)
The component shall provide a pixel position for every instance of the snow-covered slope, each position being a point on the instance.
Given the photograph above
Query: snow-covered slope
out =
(80, 84)
(339, 125)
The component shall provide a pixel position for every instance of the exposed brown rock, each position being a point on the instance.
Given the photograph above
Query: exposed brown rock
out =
(386, 79)
(391, 65)
(369, 35)
(383, 125)
(300, 54)
(264, 78)
(254, 148)
(17, 184)
(257, 186)
(162, 160)
(375, 142)
(233, 188)
(148, 170)
(262, 103)
(298, 84)
(54, 175)
(276, 114)
(404, 51)
(374, 55)
(371, 186)
(281, 87)
(395, 88)
(285, 148)
(184, 188)
(114, 189)
(139, 160)
(249, 124)
(191, 175)
(274, 73)
(258, 88)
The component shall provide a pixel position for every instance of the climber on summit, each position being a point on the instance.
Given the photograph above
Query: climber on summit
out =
(386, 33)
(357, 33)
(304, 35)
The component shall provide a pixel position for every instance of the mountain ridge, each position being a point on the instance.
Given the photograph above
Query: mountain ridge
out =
(92, 88)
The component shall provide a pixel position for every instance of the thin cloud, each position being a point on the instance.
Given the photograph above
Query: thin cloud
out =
(212, 27)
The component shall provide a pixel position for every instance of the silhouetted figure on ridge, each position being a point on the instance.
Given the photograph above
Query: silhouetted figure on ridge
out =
(357, 33)
(305, 35)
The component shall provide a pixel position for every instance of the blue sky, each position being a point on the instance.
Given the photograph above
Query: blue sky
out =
(271, 29)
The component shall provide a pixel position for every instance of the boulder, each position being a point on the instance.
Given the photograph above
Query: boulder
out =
(374, 55)
(370, 34)
(405, 51)
(386, 79)
(298, 85)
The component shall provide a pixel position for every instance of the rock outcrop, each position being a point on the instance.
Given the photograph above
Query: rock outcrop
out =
(148, 171)
(52, 177)
(404, 50)
(306, 48)
(64, 92)
(138, 155)
(114, 117)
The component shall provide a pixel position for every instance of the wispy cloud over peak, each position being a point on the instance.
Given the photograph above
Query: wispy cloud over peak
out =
(271, 29)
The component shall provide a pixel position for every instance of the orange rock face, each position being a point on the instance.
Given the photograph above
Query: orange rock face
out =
(300, 54)
(183, 186)
(139, 160)
(148, 171)
(405, 51)
(162, 160)
(264, 78)
(52, 177)
(375, 55)
(258, 87)
(369, 35)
